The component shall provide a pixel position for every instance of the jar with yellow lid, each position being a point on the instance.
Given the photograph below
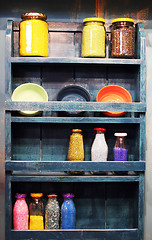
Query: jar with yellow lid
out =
(123, 38)
(93, 37)
(33, 35)
(36, 211)
(76, 148)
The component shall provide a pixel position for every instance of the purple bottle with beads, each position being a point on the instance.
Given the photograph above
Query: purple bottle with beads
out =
(68, 212)
(120, 153)
(20, 212)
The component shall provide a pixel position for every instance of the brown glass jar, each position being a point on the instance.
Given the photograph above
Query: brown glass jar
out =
(123, 38)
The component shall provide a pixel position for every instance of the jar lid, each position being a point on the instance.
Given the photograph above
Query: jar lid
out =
(36, 194)
(20, 195)
(122, 20)
(68, 195)
(100, 129)
(120, 134)
(94, 19)
(52, 195)
(34, 15)
(76, 130)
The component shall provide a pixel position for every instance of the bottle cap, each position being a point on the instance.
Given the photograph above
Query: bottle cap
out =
(100, 129)
(120, 134)
(122, 20)
(52, 195)
(76, 130)
(33, 15)
(68, 195)
(36, 194)
(20, 195)
(94, 19)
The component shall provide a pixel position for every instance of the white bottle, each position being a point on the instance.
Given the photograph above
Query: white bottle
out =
(99, 149)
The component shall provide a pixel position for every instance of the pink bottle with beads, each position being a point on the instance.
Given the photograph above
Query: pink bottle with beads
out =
(20, 213)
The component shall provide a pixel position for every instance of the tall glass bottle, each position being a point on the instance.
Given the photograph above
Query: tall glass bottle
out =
(52, 212)
(99, 149)
(68, 212)
(76, 148)
(20, 212)
(36, 208)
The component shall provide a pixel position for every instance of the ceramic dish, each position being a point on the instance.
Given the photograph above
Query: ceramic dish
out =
(29, 92)
(113, 93)
(73, 93)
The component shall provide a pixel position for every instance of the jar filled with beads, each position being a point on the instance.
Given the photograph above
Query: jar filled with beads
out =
(76, 148)
(20, 212)
(93, 37)
(36, 208)
(123, 38)
(52, 212)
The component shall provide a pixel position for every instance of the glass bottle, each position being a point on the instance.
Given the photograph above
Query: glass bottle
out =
(33, 35)
(68, 212)
(20, 212)
(120, 151)
(76, 148)
(123, 38)
(99, 149)
(52, 212)
(93, 37)
(36, 208)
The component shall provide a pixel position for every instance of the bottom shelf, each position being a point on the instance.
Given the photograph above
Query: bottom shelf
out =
(106, 207)
(94, 234)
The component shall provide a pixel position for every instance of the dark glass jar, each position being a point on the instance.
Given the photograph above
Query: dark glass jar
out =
(123, 38)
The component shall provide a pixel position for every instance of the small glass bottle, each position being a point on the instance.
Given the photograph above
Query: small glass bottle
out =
(120, 151)
(123, 38)
(36, 208)
(33, 35)
(93, 37)
(99, 149)
(68, 212)
(52, 212)
(76, 148)
(20, 212)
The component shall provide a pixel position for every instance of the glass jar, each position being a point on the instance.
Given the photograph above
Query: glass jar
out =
(68, 212)
(20, 212)
(52, 212)
(33, 35)
(76, 148)
(119, 150)
(36, 208)
(123, 38)
(93, 37)
(99, 149)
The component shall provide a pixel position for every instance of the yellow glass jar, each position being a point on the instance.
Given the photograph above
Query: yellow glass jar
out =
(76, 148)
(33, 35)
(93, 37)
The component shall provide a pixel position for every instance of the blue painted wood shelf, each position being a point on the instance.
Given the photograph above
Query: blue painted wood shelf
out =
(109, 206)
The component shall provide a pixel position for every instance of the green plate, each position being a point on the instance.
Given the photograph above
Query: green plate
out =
(29, 92)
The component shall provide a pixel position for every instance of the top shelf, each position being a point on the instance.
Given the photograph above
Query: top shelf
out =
(74, 60)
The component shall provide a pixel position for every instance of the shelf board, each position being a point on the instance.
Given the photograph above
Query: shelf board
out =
(124, 234)
(47, 119)
(55, 166)
(75, 106)
(66, 178)
(74, 60)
